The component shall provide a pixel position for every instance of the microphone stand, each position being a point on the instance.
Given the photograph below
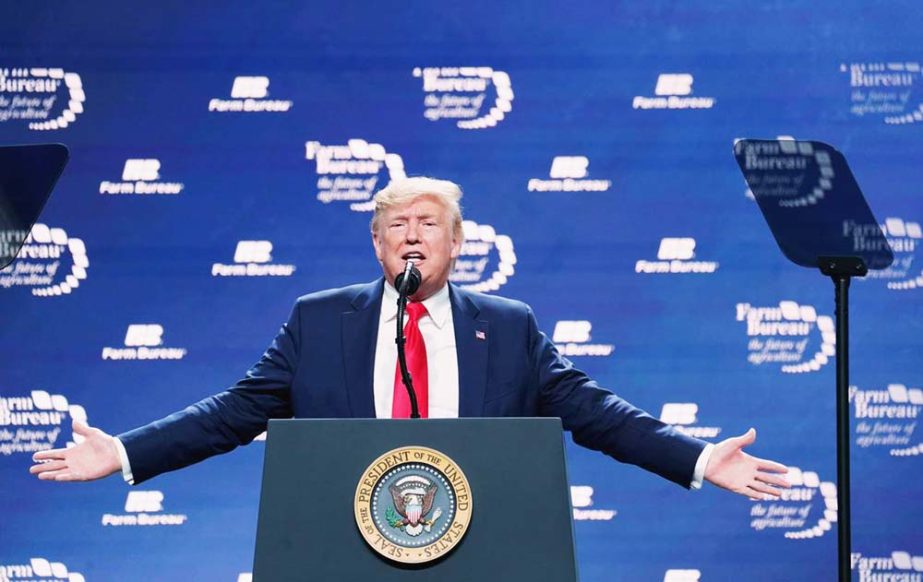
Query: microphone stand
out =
(400, 340)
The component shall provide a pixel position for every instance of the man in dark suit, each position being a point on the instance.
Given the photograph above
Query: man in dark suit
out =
(472, 354)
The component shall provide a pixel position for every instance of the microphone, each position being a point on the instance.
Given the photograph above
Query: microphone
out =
(408, 282)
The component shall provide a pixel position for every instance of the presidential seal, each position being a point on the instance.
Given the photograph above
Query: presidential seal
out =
(413, 505)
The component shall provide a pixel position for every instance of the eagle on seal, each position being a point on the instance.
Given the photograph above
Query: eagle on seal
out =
(413, 499)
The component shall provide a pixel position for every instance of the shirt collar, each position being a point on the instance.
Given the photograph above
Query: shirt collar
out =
(437, 305)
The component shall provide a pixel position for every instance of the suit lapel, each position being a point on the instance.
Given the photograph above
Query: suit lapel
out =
(360, 335)
(471, 337)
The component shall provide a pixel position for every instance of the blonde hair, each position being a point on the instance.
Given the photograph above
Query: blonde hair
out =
(404, 190)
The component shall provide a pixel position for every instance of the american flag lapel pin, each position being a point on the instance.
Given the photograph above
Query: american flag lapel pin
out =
(480, 335)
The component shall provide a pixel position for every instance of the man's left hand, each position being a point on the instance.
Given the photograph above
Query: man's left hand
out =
(731, 468)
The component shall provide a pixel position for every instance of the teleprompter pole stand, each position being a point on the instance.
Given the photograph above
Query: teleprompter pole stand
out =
(841, 270)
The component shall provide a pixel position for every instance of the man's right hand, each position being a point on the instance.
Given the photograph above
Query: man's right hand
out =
(94, 458)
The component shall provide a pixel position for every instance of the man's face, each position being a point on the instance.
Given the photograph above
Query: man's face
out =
(420, 230)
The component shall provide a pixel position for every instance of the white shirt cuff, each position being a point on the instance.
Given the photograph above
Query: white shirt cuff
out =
(698, 476)
(126, 466)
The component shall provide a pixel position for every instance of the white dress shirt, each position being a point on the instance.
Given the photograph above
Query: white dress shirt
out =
(438, 331)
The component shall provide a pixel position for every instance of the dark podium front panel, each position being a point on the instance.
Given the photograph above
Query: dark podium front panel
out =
(520, 526)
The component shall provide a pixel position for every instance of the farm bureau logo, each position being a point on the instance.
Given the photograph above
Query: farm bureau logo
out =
(141, 176)
(142, 508)
(31, 94)
(898, 567)
(39, 570)
(905, 239)
(673, 91)
(738, 149)
(807, 510)
(252, 259)
(778, 169)
(675, 256)
(781, 335)
(887, 418)
(351, 172)
(33, 423)
(581, 498)
(683, 417)
(569, 174)
(249, 95)
(462, 93)
(142, 342)
(486, 261)
(572, 338)
(40, 260)
(682, 575)
(885, 91)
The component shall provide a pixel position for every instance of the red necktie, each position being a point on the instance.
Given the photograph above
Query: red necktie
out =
(415, 350)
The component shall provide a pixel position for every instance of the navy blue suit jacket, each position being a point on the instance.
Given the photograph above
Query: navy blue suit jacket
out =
(321, 364)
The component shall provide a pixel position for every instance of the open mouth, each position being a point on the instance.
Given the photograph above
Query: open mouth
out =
(414, 256)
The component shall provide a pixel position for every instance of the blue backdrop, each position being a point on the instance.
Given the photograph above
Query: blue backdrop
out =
(221, 159)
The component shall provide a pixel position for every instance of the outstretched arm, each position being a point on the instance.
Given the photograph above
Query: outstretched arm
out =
(602, 421)
(94, 458)
(211, 426)
(731, 468)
